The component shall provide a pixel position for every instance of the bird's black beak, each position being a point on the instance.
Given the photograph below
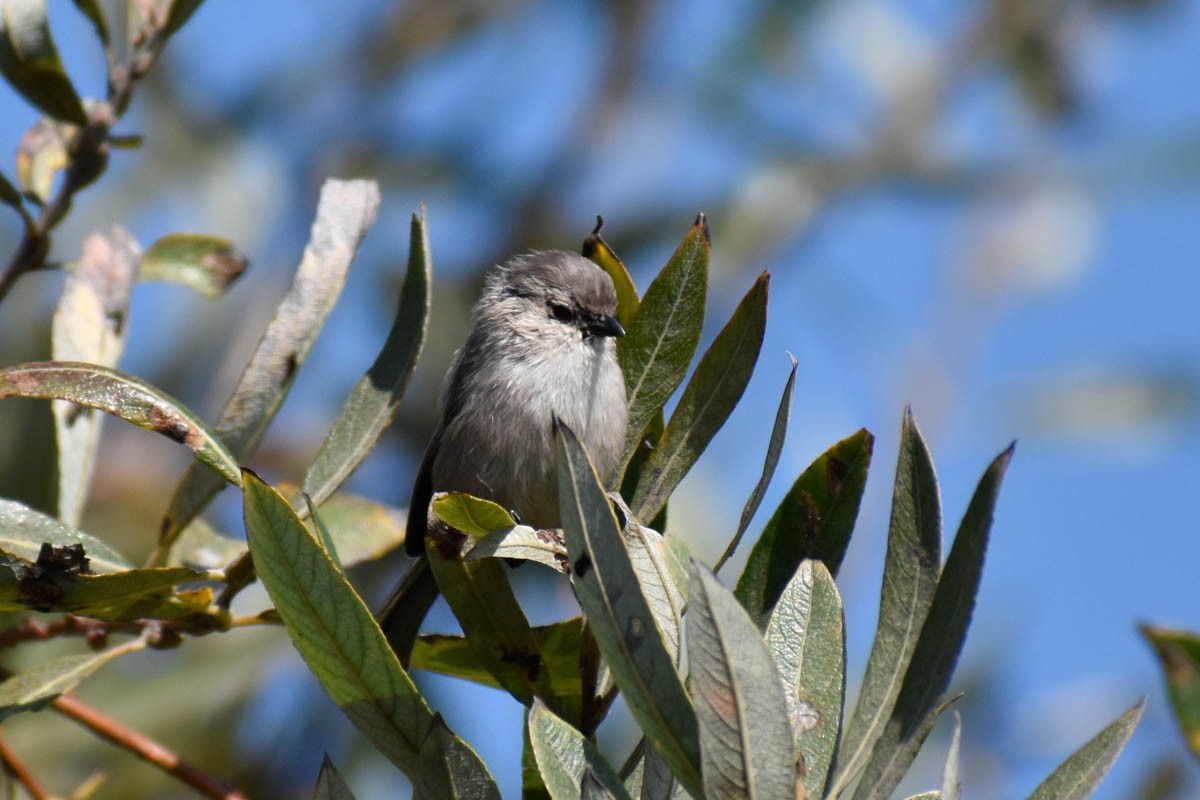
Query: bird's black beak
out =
(605, 326)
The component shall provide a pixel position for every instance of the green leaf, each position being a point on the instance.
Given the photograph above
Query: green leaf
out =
(524, 543)
(322, 532)
(471, 515)
(362, 529)
(41, 155)
(1179, 655)
(774, 448)
(707, 401)
(23, 531)
(205, 264)
(941, 640)
(372, 403)
(660, 584)
(338, 638)
(562, 754)
(123, 396)
(558, 643)
(596, 249)
(330, 785)
(620, 616)
(662, 338)
(807, 637)
(925, 796)
(951, 785)
(89, 326)
(651, 779)
(910, 573)
(1078, 777)
(38, 686)
(746, 739)
(181, 11)
(814, 521)
(29, 61)
(344, 214)
(495, 626)
(9, 194)
(95, 14)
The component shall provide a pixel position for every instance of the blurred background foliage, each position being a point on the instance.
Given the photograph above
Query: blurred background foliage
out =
(986, 209)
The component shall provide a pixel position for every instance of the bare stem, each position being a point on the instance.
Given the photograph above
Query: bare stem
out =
(17, 769)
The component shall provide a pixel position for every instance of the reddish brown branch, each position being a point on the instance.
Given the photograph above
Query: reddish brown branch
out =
(144, 748)
(20, 773)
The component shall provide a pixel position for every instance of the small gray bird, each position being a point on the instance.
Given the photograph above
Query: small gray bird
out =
(541, 344)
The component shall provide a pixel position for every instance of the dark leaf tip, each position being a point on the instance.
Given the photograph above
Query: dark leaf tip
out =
(599, 225)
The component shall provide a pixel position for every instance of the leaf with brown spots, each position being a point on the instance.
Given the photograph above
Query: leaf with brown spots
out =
(124, 396)
(814, 520)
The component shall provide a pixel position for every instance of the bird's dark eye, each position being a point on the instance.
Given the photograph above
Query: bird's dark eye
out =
(562, 313)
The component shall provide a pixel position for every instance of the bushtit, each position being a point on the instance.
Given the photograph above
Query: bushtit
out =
(541, 344)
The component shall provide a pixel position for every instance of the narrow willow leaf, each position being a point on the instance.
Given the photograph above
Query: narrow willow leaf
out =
(707, 401)
(807, 637)
(337, 636)
(596, 249)
(558, 643)
(469, 514)
(774, 448)
(620, 617)
(323, 535)
(910, 573)
(1178, 653)
(1078, 777)
(95, 14)
(23, 530)
(372, 403)
(941, 640)
(652, 564)
(123, 396)
(47, 585)
(41, 155)
(344, 214)
(29, 61)
(38, 686)
(651, 779)
(591, 787)
(951, 786)
(925, 796)
(814, 521)
(662, 338)
(492, 620)
(362, 529)
(330, 785)
(562, 754)
(746, 740)
(205, 264)
(89, 326)
(523, 543)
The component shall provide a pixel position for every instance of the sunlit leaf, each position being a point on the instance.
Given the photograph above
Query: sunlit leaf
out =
(29, 61)
(746, 740)
(123, 396)
(774, 448)
(661, 586)
(89, 326)
(596, 249)
(807, 637)
(345, 212)
(951, 785)
(23, 530)
(1179, 654)
(41, 155)
(941, 640)
(362, 529)
(1078, 777)
(619, 614)
(707, 401)
(662, 338)
(814, 521)
(522, 542)
(338, 638)
(910, 572)
(206, 264)
(372, 403)
(34, 688)
(472, 515)
(562, 754)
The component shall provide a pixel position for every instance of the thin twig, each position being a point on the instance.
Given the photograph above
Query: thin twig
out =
(144, 748)
(16, 768)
